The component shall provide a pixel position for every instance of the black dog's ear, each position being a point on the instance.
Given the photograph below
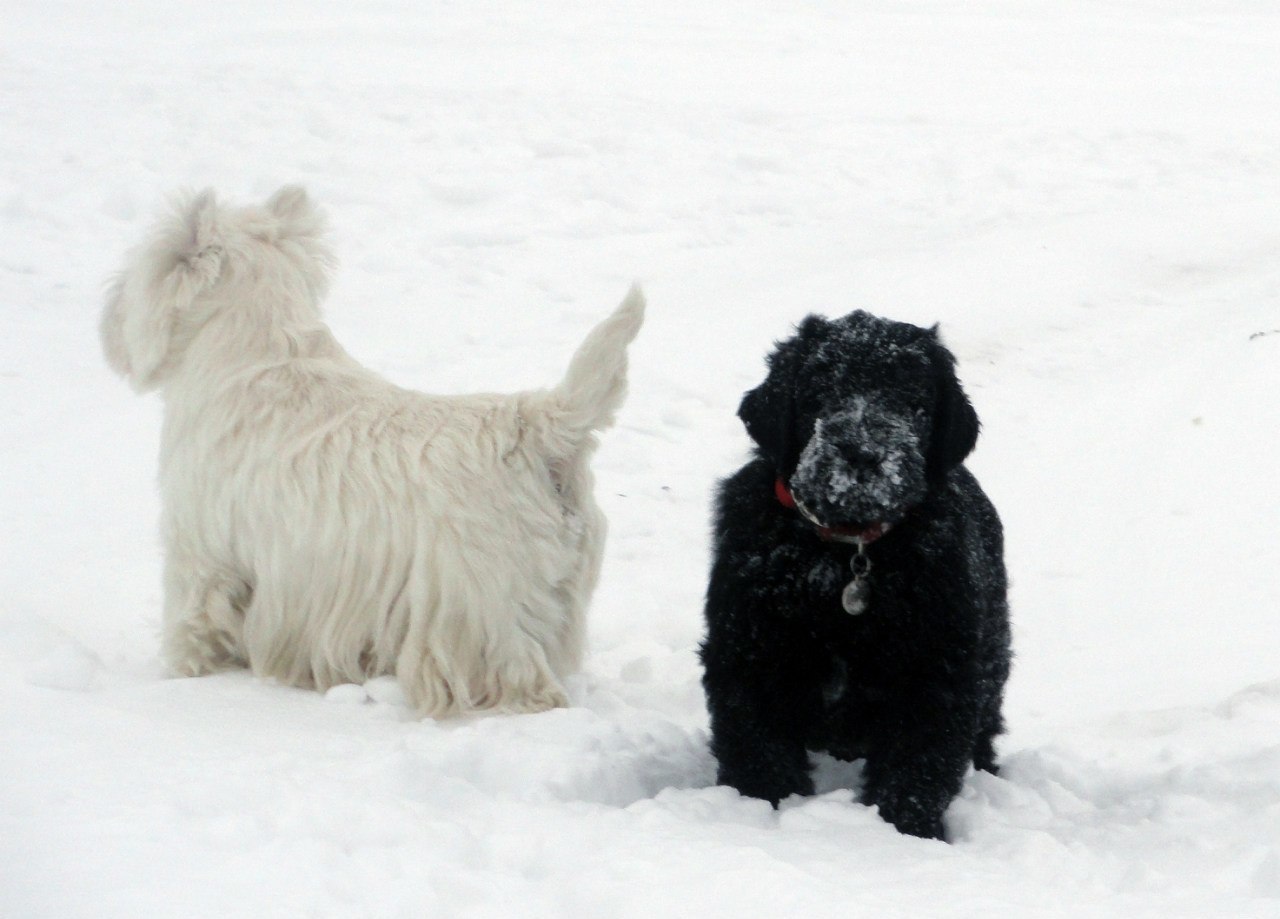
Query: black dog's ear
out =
(769, 410)
(955, 423)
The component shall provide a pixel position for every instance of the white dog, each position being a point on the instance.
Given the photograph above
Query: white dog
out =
(324, 526)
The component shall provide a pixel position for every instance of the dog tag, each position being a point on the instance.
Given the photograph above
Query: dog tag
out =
(854, 598)
(856, 592)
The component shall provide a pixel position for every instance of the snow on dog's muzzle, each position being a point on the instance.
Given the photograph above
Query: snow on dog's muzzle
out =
(861, 468)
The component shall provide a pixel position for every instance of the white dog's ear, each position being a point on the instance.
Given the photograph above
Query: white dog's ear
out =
(300, 221)
(298, 215)
(289, 202)
(199, 217)
(183, 259)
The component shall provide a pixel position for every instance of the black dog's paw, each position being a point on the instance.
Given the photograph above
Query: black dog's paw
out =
(915, 824)
(913, 813)
(769, 784)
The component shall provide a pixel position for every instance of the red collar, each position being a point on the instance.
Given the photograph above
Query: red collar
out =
(864, 536)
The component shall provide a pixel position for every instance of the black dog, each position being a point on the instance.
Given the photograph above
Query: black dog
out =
(857, 595)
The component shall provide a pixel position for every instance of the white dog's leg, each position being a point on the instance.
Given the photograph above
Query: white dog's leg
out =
(476, 650)
(425, 684)
(203, 619)
(522, 686)
(513, 673)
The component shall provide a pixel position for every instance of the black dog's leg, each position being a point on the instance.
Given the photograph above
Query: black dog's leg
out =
(758, 743)
(914, 773)
(762, 696)
(759, 660)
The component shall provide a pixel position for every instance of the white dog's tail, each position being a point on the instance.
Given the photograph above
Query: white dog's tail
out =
(596, 383)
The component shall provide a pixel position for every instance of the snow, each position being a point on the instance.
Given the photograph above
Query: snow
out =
(1083, 192)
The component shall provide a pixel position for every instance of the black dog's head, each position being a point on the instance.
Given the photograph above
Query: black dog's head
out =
(859, 416)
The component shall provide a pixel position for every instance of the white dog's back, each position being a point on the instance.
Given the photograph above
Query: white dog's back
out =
(324, 526)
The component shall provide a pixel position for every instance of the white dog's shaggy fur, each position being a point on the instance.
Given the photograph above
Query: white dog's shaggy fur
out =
(324, 526)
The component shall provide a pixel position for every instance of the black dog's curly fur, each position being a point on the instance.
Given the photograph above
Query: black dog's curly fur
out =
(865, 423)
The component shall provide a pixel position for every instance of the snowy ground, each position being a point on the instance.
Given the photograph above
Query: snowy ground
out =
(1086, 194)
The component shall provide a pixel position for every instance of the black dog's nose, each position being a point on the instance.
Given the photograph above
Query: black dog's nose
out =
(858, 455)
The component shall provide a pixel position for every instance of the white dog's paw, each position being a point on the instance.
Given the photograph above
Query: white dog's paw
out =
(540, 700)
(425, 689)
(522, 690)
(198, 666)
(191, 652)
